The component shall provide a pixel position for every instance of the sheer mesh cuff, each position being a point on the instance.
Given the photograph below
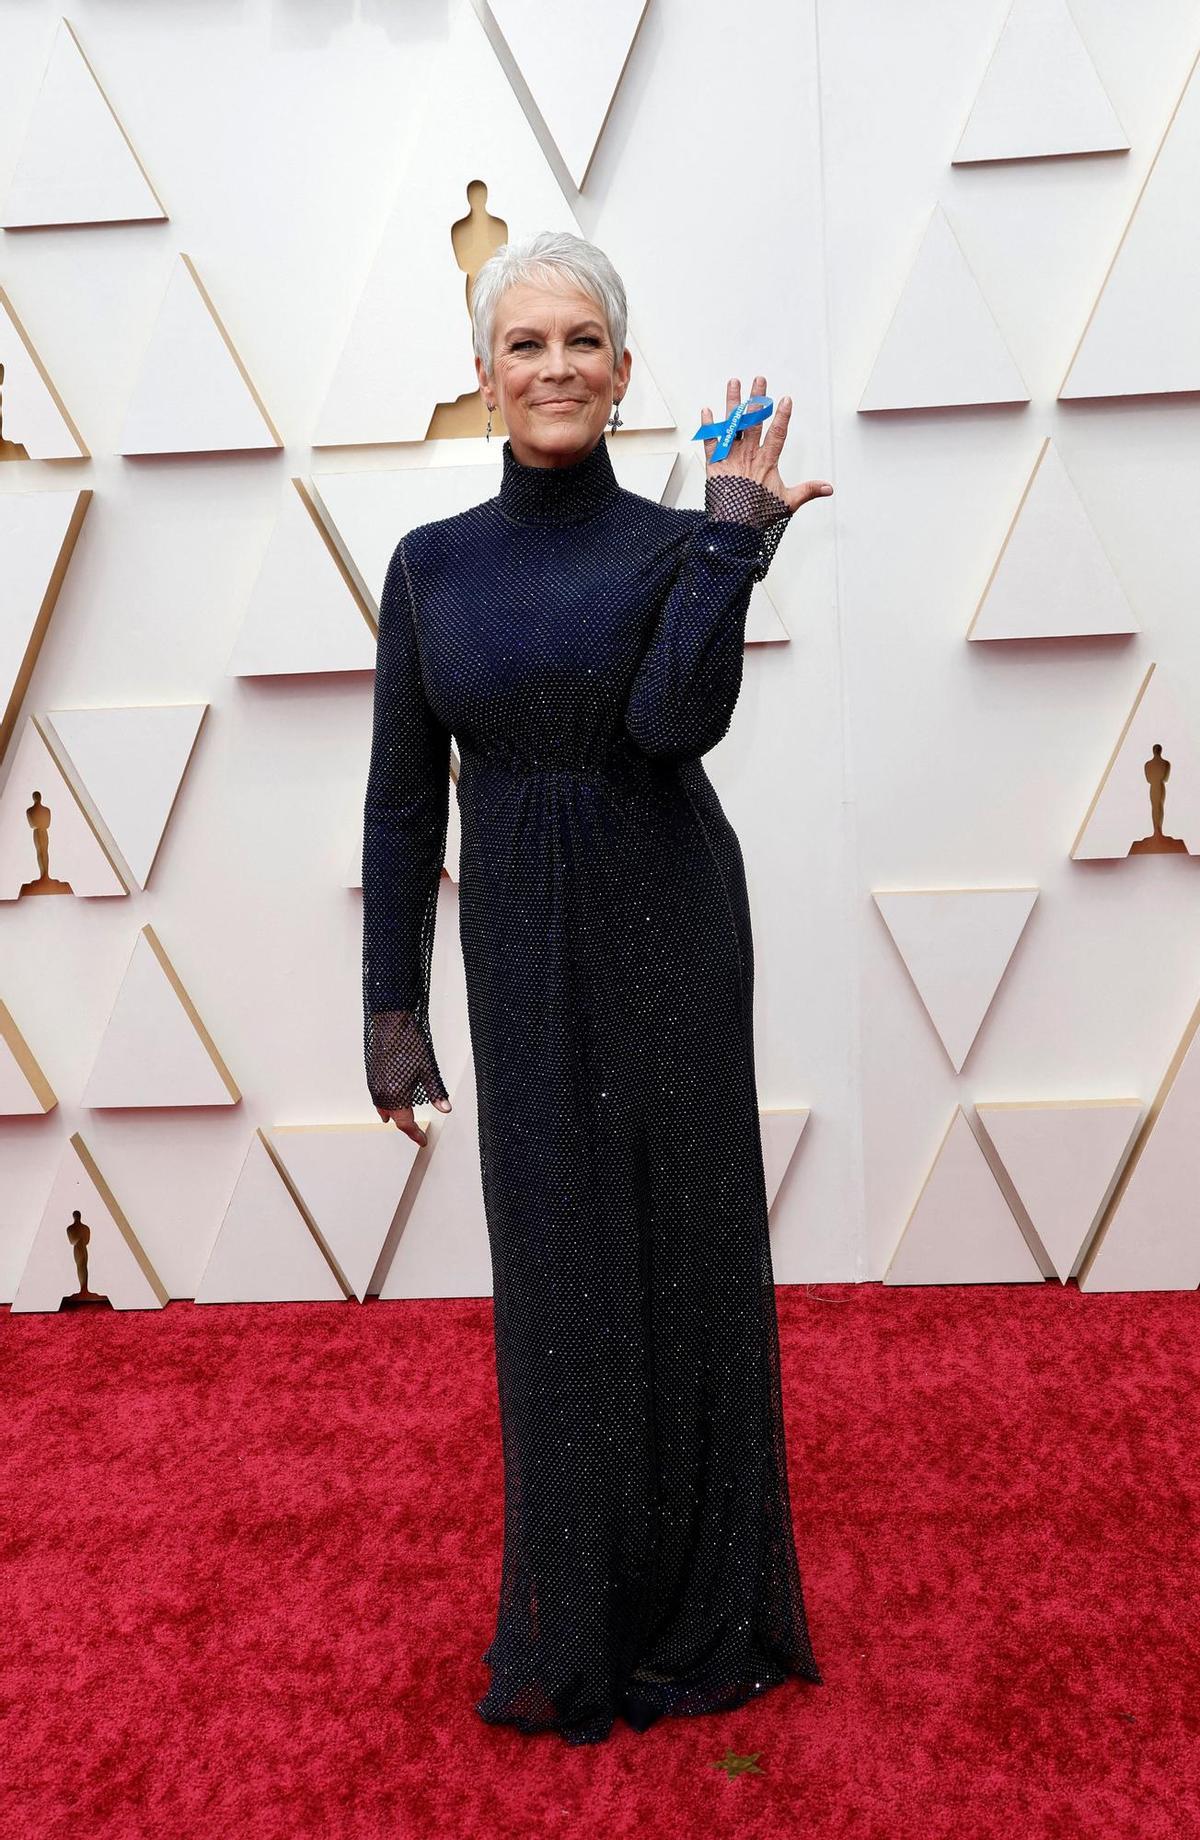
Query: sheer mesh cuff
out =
(735, 498)
(401, 1066)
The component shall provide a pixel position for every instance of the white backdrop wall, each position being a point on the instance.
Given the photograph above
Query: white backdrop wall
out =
(763, 181)
(974, 764)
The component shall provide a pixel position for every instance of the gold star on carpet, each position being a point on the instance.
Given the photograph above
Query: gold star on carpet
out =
(733, 1765)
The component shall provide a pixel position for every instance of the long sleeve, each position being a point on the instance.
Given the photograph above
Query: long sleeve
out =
(687, 685)
(405, 817)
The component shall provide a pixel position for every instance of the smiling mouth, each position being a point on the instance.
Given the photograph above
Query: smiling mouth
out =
(558, 402)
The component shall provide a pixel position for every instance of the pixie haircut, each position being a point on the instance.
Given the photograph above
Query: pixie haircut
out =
(548, 255)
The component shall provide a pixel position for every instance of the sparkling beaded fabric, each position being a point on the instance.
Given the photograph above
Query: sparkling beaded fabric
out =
(584, 645)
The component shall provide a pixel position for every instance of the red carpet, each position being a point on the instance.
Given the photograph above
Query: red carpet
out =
(249, 1557)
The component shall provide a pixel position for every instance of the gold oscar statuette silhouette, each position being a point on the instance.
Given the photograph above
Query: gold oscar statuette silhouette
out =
(38, 816)
(79, 1233)
(1158, 772)
(473, 238)
(9, 450)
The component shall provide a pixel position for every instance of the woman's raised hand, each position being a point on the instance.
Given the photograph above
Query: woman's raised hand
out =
(755, 455)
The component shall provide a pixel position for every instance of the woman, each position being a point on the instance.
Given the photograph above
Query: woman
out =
(584, 644)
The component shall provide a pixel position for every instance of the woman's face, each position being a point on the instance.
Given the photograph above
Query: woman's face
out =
(554, 374)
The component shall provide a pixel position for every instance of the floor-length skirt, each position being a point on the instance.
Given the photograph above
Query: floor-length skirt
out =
(648, 1564)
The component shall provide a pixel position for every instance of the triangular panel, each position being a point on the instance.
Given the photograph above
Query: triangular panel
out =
(193, 393)
(156, 1050)
(1052, 578)
(349, 1180)
(1156, 755)
(956, 944)
(1149, 1238)
(76, 165)
(1143, 334)
(265, 1251)
(39, 800)
(961, 1229)
(781, 1134)
(570, 54)
(1041, 93)
(943, 347)
(102, 1242)
(1062, 1156)
(131, 761)
(307, 612)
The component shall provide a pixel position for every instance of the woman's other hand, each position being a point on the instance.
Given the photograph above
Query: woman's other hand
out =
(402, 1117)
(755, 455)
(400, 1060)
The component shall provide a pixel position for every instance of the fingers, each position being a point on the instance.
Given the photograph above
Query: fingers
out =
(403, 1118)
(777, 429)
(764, 441)
(748, 437)
(752, 437)
(811, 488)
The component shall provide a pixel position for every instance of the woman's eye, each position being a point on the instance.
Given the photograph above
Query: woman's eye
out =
(585, 338)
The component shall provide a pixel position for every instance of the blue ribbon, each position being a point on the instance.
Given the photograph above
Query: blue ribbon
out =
(748, 414)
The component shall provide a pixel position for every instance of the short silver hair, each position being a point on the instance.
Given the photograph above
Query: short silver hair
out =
(535, 258)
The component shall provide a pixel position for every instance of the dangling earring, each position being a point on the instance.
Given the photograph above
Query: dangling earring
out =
(488, 435)
(614, 420)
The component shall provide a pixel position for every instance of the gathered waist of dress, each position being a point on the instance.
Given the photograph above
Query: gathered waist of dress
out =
(618, 768)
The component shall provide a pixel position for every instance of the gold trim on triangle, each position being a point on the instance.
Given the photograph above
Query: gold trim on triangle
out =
(1139, 1143)
(118, 1218)
(41, 624)
(22, 1053)
(67, 771)
(1121, 244)
(232, 348)
(47, 380)
(193, 1013)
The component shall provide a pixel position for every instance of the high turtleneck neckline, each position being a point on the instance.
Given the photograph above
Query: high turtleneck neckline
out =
(557, 494)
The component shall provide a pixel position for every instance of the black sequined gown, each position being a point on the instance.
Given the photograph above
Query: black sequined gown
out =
(584, 645)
